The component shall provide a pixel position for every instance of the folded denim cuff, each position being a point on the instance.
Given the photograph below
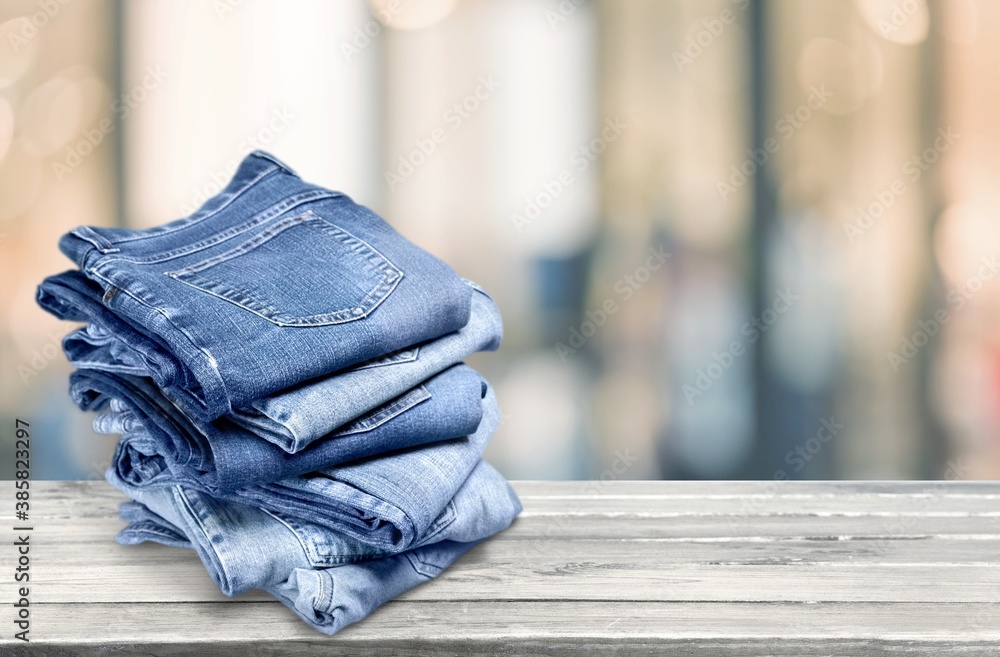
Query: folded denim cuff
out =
(295, 418)
(332, 598)
(389, 502)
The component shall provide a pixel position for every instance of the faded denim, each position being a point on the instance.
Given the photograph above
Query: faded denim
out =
(387, 502)
(327, 578)
(221, 306)
(295, 418)
(162, 447)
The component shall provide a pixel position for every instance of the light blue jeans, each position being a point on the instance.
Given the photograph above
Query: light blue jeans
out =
(328, 579)
(293, 419)
(158, 449)
(387, 502)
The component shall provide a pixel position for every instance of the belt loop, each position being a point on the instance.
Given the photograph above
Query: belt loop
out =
(89, 235)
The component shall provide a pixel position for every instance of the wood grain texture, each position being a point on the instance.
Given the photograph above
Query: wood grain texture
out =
(616, 568)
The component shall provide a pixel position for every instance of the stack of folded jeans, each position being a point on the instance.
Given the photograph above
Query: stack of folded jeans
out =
(286, 373)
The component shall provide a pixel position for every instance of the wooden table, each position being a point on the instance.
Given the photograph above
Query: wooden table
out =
(618, 568)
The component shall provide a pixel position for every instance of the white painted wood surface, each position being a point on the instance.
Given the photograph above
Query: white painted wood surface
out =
(617, 568)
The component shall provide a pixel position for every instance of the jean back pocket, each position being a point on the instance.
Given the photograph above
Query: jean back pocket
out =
(299, 271)
(325, 547)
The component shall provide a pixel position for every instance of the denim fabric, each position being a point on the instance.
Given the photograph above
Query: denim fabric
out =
(387, 502)
(222, 305)
(161, 447)
(295, 418)
(327, 578)
(331, 599)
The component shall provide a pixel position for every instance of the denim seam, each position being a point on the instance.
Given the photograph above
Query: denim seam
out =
(96, 365)
(153, 531)
(275, 210)
(208, 539)
(267, 156)
(110, 339)
(435, 530)
(408, 355)
(388, 412)
(322, 588)
(329, 591)
(271, 314)
(207, 357)
(249, 245)
(414, 560)
(386, 272)
(302, 543)
(192, 221)
(95, 239)
(365, 502)
(313, 555)
(134, 392)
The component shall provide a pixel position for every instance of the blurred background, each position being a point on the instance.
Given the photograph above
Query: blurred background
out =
(730, 238)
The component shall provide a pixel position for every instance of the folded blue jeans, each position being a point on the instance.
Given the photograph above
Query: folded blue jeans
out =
(272, 282)
(328, 579)
(387, 502)
(161, 447)
(292, 419)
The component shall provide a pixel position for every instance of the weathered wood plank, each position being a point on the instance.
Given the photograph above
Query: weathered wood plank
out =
(834, 528)
(563, 570)
(846, 505)
(702, 528)
(693, 489)
(726, 568)
(903, 499)
(580, 581)
(541, 628)
(70, 538)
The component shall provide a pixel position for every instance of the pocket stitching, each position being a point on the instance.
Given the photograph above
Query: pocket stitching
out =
(374, 261)
(309, 545)
(257, 220)
(452, 516)
(392, 410)
(408, 355)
